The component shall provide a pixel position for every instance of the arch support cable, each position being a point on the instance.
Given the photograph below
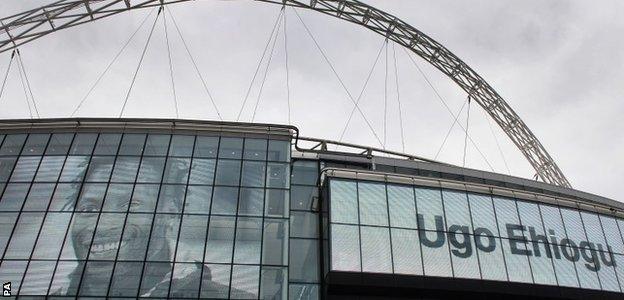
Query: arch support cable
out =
(27, 26)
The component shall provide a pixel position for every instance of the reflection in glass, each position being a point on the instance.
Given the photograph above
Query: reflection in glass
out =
(192, 236)
(50, 168)
(144, 198)
(248, 240)
(245, 282)
(100, 169)
(185, 280)
(65, 196)
(275, 242)
(198, 199)
(163, 237)
(151, 170)
(304, 172)
(181, 145)
(107, 144)
(156, 279)
(126, 169)
(24, 236)
(274, 283)
(276, 203)
(156, 145)
(206, 146)
(228, 172)
(220, 240)
(303, 263)
(231, 148)
(74, 169)
(39, 197)
(59, 144)
(215, 281)
(25, 169)
(132, 144)
(12, 144)
(202, 171)
(277, 175)
(253, 174)
(83, 144)
(303, 197)
(14, 196)
(251, 202)
(177, 170)
(126, 279)
(303, 224)
(35, 144)
(279, 151)
(255, 149)
(224, 200)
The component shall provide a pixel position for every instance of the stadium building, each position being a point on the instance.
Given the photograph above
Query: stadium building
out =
(127, 208)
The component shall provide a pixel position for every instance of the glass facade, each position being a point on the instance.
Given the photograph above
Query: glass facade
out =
(145, 215)
(411, 230)
(150, 214)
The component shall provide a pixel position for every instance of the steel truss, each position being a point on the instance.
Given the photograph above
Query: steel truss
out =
(27, 26)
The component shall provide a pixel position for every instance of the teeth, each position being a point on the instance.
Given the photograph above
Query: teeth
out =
(100, 248)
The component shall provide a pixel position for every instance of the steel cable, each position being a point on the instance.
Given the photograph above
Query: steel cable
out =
(266, 72)
(173, 88)
(286, 64)
(32, 97)
(396, 77)
(6, 76)
(253, 79)
(136, 72)
(188, 51)
(125, 45)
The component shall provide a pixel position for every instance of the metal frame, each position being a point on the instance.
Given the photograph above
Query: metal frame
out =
(27, 26)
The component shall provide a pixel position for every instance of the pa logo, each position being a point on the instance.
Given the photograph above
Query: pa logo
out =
(6, 289)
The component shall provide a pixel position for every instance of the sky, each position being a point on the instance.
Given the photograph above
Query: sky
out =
(559, 64)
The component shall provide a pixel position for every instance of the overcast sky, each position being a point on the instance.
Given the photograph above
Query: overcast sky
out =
(559, 64)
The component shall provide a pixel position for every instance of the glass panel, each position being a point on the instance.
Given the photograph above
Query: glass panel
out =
(253, 174)
(508, 220)
(255, 149)
(373, 205)
(37, 278)
(376, 253)
(303, 291)
(100, 169)
(13, 271)
(251, 202)
(24, 236)
(541, 263)
(345, 248)
(276, 203)
(304, 224)
(182, 145)
(144, 198)
(151, 169)
(465, 262)
(192, 238)
(163, 237)
(220, 240)
(304, 172)
(132, 144)
(402, 206)
(231, 148)
(228, 172)
(619, 259)
(304, 260)
(435, 252)
(59, 144)
(215, 281)
(126, 169)
(279, 151)
(107, 236)
(152, 283)
(275, 242)
(156, 145)
(50, 168)
(612, 233)
(79, 236)
(198, 199)
(96, 278)
(274, 283)
(430, 212)
(6, 167)
(516, 259)
(39, 197)
(303, 197)
(585, 267)
(83, 144)
(35, 144)
(202, 171)
(177, 170)
(344, 205)
(117, 197)
(224, 200)
(491, 258)
(14, 196)
(66, 278)
(7, 221)
(248, 240)
(91, 197)
(206, 146)
(278, 175)
(12, 144)
(126, 279)
(185, 281)
(606, 273)
(245, 282)
(553, 222)
(592, 226)
(107, 144)
(74, 169)
(65, 197)
(135, 237)
(457, 211)
(25, 169)
(51, 237)
(573, 226)
(564, 267)
(406, 252)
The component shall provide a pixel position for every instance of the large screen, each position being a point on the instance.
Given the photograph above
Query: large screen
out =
(411, 230)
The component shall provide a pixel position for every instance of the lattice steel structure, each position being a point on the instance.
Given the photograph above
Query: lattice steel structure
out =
(25, 27)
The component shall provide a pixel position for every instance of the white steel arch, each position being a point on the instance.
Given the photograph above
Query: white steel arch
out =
(30, 25)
